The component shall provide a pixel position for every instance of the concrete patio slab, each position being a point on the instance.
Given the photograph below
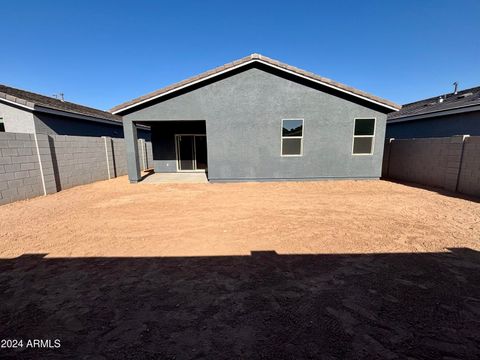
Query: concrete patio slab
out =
(176, 178)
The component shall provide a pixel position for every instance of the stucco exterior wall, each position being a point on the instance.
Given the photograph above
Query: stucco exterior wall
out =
(442, 126)
(243, 116)
(16, 120)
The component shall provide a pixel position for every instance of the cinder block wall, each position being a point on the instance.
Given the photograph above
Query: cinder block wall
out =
(469, 178)
(78, 160)
(422, 161)
(32, 167)
(120, 158)
(19, 168)
(142, 154)
(386, 158)
(451, 163)
(149, 155)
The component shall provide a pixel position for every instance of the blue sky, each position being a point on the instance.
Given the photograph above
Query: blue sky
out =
(101, 53)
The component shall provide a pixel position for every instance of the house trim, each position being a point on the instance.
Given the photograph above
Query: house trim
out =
(46, 110)
(16, 103)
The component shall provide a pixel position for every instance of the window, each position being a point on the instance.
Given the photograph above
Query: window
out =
(2, 125)
(292, 137)
(363, 136)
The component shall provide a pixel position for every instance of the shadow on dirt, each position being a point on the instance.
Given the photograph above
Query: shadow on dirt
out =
(263, 306)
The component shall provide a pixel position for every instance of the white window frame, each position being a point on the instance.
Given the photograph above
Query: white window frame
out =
(292, 137)
(365, 136)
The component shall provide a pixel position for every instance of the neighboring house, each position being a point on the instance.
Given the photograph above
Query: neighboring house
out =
(259, 119)
(457, 113)
(26, 112)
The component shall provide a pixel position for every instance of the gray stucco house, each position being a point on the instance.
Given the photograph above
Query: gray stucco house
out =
(457, 113)
(259, 119)
(26, 112)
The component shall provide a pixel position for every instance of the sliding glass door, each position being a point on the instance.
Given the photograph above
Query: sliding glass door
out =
(191, 152)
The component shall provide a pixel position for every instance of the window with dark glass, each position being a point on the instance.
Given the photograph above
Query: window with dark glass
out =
(292, 137)
(2, 125)
(363, 136)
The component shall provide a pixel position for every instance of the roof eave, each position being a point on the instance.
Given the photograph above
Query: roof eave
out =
(48, 110)
(27, 105)
(443, 112)
(30, 106)
(84, 117)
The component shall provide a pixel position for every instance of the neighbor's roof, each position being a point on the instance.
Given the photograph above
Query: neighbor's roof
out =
(35, 101)
(463, 99)
(247, 60)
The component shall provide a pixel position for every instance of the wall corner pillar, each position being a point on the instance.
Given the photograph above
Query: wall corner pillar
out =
(454, 161)
(131, 142)
(47, 162)
(142, 154)
(109, 157)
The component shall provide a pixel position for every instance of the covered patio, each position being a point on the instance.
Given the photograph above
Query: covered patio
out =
(179, 147)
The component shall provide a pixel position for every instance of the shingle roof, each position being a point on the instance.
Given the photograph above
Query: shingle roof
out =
(245, 60)
(33, 100)
(467, 97)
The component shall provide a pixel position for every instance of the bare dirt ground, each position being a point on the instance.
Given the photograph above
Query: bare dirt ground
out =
(327, 270)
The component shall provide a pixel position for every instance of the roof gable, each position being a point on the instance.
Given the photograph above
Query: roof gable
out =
(246, 61)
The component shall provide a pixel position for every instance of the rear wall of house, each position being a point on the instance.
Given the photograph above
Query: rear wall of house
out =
(243, 115)
(443, 126)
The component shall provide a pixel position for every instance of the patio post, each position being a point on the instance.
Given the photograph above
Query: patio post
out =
(131, 144)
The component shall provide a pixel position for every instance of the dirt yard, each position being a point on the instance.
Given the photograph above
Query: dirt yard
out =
(324, 270)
